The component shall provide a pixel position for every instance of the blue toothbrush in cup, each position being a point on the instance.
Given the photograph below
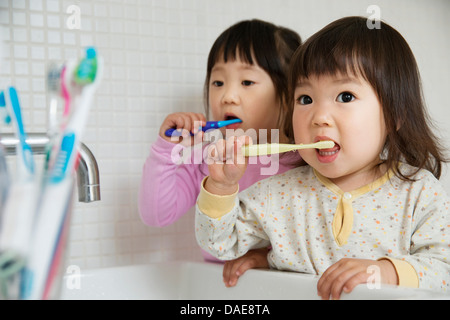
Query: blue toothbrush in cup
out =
(210, 125)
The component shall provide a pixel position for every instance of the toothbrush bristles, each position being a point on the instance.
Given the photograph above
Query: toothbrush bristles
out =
(325, 145)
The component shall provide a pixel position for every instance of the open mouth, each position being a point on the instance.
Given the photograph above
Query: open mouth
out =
(328, 155)
(230, 117)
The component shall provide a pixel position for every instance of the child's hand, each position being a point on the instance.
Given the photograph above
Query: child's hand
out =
(227, 165)
(187, 121)
(253, 259)
(348, 273)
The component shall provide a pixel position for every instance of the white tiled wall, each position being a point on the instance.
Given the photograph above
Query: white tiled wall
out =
(155, 53)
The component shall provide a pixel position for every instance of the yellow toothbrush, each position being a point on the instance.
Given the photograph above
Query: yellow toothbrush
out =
(266, 149)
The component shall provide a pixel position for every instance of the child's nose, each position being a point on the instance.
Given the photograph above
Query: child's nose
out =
(231, 96)
(322, 116)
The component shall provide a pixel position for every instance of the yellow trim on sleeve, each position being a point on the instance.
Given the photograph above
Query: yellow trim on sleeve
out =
(407, 275)
(215, 206)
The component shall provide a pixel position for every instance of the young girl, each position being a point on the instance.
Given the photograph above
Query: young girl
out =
(373, 200)
(246, 79)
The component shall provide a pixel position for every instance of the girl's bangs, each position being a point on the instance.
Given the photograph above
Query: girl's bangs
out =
(337, 49)
(235, 49)
(233, 46)
(252, 43)
(319, 60)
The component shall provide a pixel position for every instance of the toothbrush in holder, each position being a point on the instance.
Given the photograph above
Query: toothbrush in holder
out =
(26, 163)
(211, 125)
(50, 229)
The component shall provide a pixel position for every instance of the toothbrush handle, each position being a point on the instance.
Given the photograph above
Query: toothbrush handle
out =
(209, 125)
(174, 133)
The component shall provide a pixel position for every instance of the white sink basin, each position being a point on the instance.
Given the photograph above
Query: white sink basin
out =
(203, 281)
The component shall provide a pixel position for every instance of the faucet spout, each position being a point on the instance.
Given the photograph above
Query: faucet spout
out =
(88, 176)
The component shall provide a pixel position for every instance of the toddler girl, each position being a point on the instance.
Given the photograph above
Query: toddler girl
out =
(246, 79)
(373, 200)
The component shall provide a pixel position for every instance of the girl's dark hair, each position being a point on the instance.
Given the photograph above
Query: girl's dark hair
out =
(254, 41)
(384, 59)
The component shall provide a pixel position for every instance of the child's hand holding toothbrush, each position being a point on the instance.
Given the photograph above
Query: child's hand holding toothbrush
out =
(227, 165)
(187, 123)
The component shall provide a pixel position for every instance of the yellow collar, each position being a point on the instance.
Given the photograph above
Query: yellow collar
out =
(343, 217)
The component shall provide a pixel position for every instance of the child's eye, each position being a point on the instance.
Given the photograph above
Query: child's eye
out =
(247, 83)
(304, 100)
(345, 97)
(217, 83)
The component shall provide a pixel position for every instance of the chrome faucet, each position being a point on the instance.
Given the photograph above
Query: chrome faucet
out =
(88, 177)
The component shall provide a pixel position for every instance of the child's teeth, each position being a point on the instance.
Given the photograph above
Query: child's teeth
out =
(327, 153)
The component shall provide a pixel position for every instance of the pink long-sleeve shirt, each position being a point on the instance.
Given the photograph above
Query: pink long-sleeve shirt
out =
(169, 189)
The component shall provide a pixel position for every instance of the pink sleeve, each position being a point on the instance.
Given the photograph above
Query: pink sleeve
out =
(167, 190)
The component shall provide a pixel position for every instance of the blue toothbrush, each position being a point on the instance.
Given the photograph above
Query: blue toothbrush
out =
(3, 112)
(23, 149)
(211, 125)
